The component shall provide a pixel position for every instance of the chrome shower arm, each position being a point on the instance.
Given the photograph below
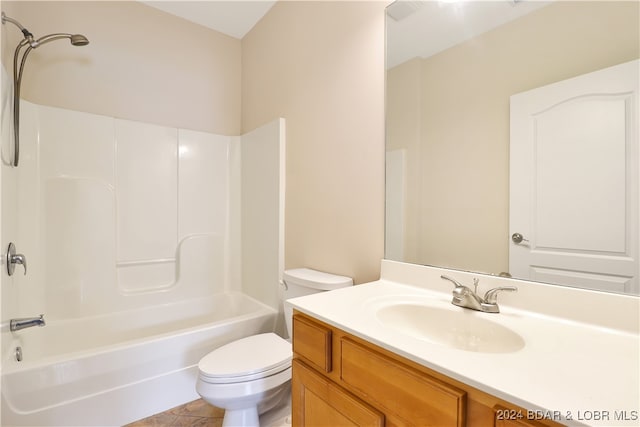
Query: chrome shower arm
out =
(27, 34)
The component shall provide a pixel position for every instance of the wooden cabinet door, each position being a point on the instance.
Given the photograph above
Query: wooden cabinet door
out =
(316, 401)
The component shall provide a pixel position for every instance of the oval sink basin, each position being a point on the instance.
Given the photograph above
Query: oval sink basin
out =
(460, 329)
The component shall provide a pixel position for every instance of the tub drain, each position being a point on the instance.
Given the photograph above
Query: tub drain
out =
(19, 354)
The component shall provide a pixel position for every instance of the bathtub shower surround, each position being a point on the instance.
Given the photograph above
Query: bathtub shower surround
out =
(134, 235)
(124, 203)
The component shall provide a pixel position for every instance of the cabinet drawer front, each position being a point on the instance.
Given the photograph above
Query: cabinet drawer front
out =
(411, 395)
(313, 342)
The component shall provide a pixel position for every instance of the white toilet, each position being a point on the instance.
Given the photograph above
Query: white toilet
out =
(252, 375)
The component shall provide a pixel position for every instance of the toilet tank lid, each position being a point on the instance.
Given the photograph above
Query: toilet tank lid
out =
(315, 279)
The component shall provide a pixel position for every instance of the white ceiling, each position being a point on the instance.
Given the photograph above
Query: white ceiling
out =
(438, 25)
(429, 26)
(232, 17)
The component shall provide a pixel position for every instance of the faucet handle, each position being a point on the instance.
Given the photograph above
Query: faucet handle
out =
(13, 258)
(454, 281)
(491, 297)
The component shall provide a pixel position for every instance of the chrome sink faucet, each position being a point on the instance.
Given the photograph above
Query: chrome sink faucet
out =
(467, 298)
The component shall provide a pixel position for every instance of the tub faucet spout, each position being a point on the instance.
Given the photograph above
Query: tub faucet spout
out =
(27, 322)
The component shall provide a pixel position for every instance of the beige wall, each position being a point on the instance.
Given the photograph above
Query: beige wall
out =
(320, 65)
(141, 64)
(464, 127)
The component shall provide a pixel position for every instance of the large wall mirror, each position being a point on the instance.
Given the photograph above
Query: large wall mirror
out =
(512, 139)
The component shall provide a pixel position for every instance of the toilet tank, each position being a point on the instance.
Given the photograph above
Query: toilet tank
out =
(305, 281)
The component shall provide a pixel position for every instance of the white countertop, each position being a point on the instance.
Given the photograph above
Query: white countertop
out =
(571, 369)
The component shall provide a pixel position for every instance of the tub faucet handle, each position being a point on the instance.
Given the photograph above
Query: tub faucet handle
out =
(13, 258)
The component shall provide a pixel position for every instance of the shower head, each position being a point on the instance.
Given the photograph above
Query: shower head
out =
(75, 39)
(79, 40)
(29, 44)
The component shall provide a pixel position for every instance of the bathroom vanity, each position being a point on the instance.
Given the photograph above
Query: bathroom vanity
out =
(340, 379)
(396, 352)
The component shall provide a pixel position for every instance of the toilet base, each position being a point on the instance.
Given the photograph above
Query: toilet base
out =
(274, 413)
(244, 403)
(241, 417)
(280, 414)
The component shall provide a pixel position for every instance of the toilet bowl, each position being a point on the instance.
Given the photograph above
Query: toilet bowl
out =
(252, 375)
(246, 377)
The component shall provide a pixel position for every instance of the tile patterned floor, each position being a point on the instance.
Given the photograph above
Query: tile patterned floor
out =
(193, 414)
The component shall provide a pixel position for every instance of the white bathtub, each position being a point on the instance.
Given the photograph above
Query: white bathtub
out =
(114, 369)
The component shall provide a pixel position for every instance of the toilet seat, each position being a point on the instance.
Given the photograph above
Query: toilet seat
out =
(247, 359)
